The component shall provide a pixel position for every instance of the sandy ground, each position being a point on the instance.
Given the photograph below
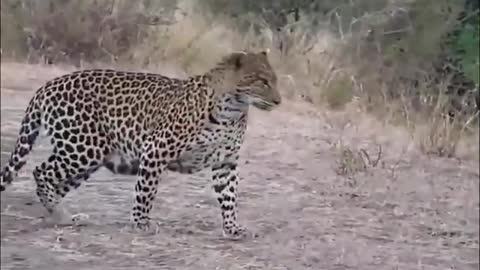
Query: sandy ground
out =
(413, 212)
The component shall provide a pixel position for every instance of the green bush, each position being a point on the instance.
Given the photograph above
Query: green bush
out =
(466, 47)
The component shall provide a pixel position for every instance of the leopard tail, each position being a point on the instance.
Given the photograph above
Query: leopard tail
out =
(29, 131)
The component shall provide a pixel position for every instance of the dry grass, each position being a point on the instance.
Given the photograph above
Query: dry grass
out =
(351, 161)
(441, 137)
(404, 211)
(357, 65)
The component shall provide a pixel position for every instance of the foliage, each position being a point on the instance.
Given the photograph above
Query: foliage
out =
(70, 30)
(466, 45)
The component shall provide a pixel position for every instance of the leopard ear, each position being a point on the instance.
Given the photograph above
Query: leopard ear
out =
(238, 59)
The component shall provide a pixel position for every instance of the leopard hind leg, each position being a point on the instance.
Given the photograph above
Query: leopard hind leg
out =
(57, 176)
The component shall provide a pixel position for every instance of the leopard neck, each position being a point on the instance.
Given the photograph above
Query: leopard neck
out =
(226, 106)
(230, 107)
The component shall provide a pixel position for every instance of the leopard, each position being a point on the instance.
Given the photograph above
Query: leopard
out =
(145, 125)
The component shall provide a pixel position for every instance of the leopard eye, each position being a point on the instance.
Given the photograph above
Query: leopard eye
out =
(265, 82)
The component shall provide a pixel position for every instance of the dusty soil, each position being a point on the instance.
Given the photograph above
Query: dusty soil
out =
(410, 212)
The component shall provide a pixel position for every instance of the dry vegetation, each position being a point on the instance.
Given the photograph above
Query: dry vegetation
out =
(367, 68)
(375, 52)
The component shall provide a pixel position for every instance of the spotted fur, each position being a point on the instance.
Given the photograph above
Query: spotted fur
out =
(144, 124)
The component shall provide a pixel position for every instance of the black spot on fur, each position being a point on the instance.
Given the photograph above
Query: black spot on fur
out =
(223, 175)
(227, 207)
(219, 188)
(69, 148)
(212, 119)
(19, 165)
(70, 110)
(91, 154)
(83, 160)
(58, 126)
(23, 151)
(66, 134)
(80, 148)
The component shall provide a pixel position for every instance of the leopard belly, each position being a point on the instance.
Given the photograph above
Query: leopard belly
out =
(210, 149)
(198, 159)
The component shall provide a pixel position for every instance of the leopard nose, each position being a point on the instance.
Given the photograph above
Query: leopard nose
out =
(277, 99)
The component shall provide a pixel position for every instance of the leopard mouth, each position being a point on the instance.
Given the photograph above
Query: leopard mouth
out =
(263, 105)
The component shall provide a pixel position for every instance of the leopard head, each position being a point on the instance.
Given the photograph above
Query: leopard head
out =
(250, 75)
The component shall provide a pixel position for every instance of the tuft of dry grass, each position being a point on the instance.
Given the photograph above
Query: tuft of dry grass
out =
(442, 136)
(351, 161)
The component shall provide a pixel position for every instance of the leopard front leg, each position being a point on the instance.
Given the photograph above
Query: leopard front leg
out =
(225, 182)
(153, 162)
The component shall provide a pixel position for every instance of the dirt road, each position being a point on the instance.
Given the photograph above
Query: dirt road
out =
(415, 212)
